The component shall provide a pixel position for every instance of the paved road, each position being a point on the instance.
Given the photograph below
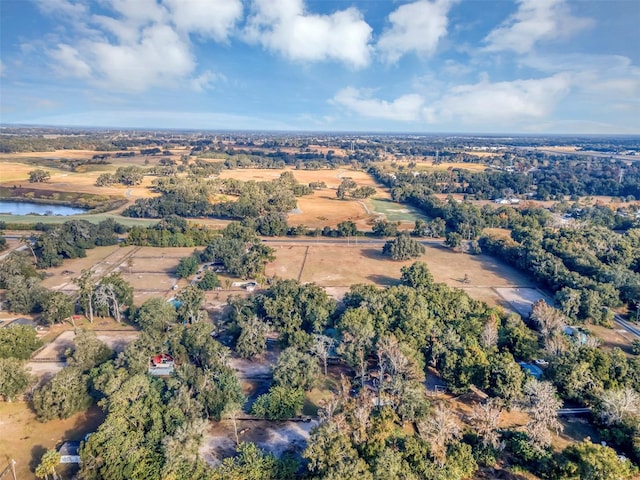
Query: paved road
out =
(628, 326)
(574, 411)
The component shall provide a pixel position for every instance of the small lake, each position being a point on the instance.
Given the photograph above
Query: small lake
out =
(29, 208)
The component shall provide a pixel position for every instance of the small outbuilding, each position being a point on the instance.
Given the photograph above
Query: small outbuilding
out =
(533, 370)
(69, 452)
(161, 365)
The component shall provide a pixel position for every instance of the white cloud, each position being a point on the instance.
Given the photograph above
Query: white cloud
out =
(138, 12)
(415, 27)
(534, 21)
(213, 18)
(205, 81)
(606, 84)
(284, 27)
(500, 103)
(70, 61)
(2, 71)
(406, 108)
(159, 57)
(62, 7)
(482, 105)
(136, 45)
(602, 75)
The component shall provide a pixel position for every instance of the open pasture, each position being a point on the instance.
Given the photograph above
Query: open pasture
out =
(115, 339)
(323, 208)
(338, 266)
(332, 177)
(149, 270)
(428, 166)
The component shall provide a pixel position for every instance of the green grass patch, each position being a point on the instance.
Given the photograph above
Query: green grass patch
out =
(26, 222)
(396, 212)
(323, 391)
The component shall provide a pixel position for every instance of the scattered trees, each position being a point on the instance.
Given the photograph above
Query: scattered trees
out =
(541, 403)
(322, 346)
(617, 406)
(253, 336)
(357, 330)
(209, 281)
(187, 267)
(86, 284)
(156, 315)
(39, 176)
(113, 295)
(590, 461)
(89, 352)
(190, 299)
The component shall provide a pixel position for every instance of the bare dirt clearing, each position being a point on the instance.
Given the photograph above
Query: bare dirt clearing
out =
(25, 439)
(521, 299)
(613, 337)
(148, 269)
(272, 437)
(116, 340)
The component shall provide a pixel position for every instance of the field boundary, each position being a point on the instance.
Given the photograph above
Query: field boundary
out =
(304, 260)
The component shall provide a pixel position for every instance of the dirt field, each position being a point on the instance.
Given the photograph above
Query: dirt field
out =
(613, 337)
(272, 437)
(521, 299)
(25, 439)
(324, 209)
(149, 270)
(339, 266)
(116, 340)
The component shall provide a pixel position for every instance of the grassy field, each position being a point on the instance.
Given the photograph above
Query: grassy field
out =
(332, 177)
(339, 266)
(394, 211)
(93, 218)
(428, 166)
(323, 208)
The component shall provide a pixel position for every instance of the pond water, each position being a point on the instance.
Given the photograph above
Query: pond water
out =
(29, 208)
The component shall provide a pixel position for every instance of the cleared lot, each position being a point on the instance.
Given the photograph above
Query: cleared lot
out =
(339, 266)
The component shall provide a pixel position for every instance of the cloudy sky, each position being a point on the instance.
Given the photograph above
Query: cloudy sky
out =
(479, 66)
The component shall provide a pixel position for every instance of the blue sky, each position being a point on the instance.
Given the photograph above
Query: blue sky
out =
(479, 66)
